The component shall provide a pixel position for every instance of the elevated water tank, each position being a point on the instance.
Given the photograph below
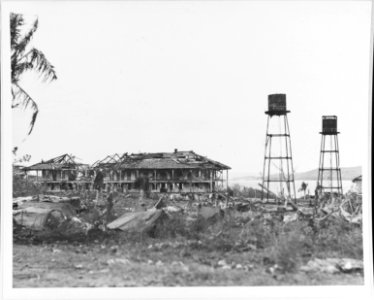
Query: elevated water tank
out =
(329, 125)
(277, 104)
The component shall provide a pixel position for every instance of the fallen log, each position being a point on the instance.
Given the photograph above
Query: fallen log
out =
(159, 204)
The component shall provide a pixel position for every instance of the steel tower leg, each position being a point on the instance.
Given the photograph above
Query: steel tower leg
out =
(333, 168)
(286, 171)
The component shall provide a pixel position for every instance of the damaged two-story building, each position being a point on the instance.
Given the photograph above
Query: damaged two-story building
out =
(61, 173)
(174, 172)
(161, 172)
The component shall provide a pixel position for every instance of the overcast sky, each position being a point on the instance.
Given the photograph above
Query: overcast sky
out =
(154, 76)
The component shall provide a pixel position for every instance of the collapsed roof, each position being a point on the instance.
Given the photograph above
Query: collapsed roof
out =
(159, 160)
(64, 161)
(166, 160)
(107, 162)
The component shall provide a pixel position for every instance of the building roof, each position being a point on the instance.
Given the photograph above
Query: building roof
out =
(159, 160)
(108, 162)
(64, 161)
(358, 178)
(166, 160)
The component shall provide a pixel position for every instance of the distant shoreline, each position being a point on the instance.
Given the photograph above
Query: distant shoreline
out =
(348, 173)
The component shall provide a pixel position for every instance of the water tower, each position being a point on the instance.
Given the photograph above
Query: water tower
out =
(278, 173)
(329, 174)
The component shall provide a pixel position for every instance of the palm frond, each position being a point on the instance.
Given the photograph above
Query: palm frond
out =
(16, 22)
(27, 38)
(41, 64)
(26, 101)
(19, 68)
(23, 60)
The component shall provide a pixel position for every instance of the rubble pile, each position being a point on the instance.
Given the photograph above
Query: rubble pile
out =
(112, 212)
(48, 215)
(334, 265)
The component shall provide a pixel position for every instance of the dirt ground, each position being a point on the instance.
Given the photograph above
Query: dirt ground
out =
(64, 265)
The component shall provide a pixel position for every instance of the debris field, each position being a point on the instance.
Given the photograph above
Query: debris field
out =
(114, 239)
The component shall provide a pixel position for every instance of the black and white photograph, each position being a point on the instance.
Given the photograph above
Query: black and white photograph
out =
(203, 148)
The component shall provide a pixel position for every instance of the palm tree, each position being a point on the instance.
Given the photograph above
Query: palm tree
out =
(303, 187)
(25, 58)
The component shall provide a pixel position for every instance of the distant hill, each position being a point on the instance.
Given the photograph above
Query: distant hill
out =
(245, 177)
(347, 174)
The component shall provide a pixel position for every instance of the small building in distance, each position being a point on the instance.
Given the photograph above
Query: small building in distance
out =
(163, 172)
(19, 171)
(61, 173)
(357, 185)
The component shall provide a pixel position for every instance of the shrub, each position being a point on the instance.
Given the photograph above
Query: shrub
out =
(198, 226)
(23, 187)
(170, 227)
(286, 252)
(337, 236)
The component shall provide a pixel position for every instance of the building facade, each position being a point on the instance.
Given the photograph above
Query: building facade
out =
(163, 172)
(61, 173)
(175, 172)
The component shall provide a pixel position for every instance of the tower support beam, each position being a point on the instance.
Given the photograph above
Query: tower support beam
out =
(278, 172)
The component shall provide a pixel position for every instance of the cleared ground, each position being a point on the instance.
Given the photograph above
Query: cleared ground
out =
(94, 265)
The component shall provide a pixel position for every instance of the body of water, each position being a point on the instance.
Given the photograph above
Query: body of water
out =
(275, 187)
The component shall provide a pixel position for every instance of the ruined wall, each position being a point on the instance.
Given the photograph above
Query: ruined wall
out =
(164, 181)
(160, 181)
